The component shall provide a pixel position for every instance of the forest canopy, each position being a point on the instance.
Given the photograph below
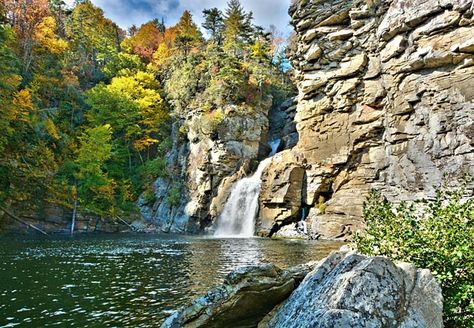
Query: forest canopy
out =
(86, 106)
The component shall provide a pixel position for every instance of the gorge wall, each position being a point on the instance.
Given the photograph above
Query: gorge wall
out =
(386, 101)
(211, 151)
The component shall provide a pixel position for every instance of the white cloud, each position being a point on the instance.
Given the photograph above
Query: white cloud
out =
(128, 12)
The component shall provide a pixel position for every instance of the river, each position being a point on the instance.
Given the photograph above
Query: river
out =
(124, 280)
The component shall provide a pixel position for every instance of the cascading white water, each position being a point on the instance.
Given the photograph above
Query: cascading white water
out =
(238, 217)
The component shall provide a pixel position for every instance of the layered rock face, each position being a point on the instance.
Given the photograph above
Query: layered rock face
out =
(386, 101)
(211, 152)
(345, 289)
(57, 220)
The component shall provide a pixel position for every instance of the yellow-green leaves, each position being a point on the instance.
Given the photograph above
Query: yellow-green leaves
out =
(45, 35)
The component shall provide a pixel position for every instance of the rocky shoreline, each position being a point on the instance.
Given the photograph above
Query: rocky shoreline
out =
(346, 289)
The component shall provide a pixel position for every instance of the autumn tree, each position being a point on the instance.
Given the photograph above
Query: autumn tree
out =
(24, 17)
(188, 35)
(145, 41)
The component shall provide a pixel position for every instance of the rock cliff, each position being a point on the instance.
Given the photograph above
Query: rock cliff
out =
(211, 151)
(386, 101)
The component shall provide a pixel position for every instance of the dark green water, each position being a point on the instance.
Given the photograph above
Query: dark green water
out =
(126, 280)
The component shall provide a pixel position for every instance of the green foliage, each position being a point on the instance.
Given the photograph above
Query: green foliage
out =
(152, 169)
(95, 41)
(237, 25)
(437, 234)
(214, 23)
(149, 196)
(174, 195)
(84, 106)
(94, 184)
(183, 84)
(123, 64)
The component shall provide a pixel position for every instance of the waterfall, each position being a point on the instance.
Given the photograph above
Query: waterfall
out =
(238, 217)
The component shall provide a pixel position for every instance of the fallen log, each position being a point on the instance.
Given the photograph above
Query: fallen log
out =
(16, 218)
(126, 223)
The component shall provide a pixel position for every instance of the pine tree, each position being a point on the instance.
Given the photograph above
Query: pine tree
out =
(189, 34)
(237, 24)
(214, 23)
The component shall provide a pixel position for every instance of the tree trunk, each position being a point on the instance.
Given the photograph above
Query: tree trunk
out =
(74, 212)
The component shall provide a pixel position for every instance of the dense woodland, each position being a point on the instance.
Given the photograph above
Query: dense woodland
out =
(86, 107)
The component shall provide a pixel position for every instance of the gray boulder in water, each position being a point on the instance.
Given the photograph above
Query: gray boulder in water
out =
(344, 290)
(353, 290)
(243, 300)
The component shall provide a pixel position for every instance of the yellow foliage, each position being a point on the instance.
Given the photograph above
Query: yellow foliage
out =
(142, 89)
(144, 143)
(51, 129)
(23, 104)
(160, 57)
(259, 50)
(45, 35)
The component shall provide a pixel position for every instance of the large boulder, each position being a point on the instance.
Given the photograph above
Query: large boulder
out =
(245, 297)
(353, 290)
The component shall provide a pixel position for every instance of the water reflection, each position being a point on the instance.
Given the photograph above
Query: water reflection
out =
(124, 280)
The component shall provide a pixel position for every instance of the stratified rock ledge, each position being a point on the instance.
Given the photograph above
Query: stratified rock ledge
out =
(346, 289)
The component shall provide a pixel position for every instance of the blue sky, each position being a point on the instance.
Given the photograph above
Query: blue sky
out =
(128, 12)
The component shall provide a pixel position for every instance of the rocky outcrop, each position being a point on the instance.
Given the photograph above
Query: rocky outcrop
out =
(243, 300)
(345, 289)
(159, 210)
(211, 151)
(352, 290)
(385, 101)
(54, 219)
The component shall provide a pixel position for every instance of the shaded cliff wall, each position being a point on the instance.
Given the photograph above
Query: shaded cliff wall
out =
(386, 101)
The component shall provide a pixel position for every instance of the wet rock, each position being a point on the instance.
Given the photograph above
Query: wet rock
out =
(210, 152)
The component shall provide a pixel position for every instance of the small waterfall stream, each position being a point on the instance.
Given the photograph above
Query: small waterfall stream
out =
(238, 217)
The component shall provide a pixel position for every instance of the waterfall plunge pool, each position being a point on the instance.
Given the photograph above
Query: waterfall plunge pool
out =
(125, 280)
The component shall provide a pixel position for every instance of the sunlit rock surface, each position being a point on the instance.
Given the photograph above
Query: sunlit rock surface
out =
(385, 101)
(351, 290)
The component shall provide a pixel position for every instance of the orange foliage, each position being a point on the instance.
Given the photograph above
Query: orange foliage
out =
(148, 39)
(25, 15)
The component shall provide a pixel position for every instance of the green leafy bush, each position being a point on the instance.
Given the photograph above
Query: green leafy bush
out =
(174, 195)
(436, 234)
(149, 196)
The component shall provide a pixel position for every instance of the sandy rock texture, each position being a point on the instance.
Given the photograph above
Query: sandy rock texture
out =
(386, 101)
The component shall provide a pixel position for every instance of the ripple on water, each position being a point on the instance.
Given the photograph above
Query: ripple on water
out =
(124, 280)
